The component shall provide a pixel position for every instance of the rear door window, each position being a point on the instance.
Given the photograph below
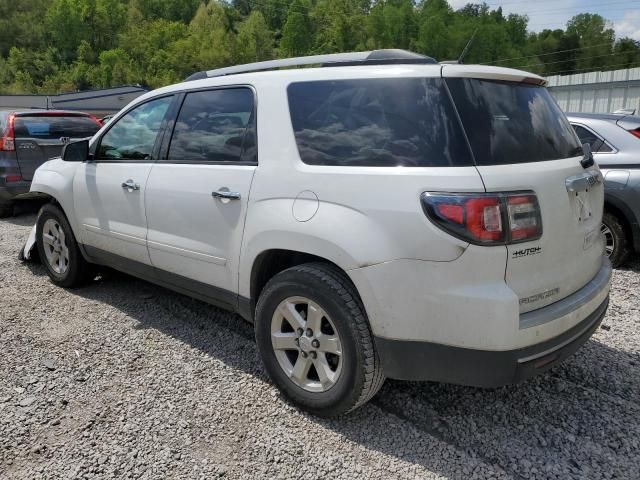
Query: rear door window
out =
(215, 126)
(509, 123)
(52, 127)
(377, 122)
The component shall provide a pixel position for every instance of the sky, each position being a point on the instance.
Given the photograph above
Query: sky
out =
(623, 14)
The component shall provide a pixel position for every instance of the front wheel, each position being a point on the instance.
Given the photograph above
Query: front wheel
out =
(315, 341)
(58, 249)
(616, 245)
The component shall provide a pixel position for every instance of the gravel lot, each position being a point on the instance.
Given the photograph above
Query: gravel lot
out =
(123, 379)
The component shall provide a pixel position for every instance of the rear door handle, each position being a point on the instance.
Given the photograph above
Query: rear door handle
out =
(130, 185)
(225, 194)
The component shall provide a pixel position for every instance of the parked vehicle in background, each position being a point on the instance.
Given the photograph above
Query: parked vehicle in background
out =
(380, 216)
(615, 143)
(28, 139)
(106, 119)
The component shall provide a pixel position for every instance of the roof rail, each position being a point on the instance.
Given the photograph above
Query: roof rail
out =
(374, 57)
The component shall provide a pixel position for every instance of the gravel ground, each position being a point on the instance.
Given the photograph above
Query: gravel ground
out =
(123, 379)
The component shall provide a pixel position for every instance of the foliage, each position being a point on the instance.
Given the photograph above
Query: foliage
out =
(61, 45)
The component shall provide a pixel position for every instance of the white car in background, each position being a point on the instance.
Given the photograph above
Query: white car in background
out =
(381, 216)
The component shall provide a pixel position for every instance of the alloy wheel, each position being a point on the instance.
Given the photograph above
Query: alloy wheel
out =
(610, 241)
(55, 246)
(306, 344)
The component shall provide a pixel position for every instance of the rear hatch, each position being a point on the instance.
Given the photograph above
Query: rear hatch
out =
(41, 136)
(522, 141)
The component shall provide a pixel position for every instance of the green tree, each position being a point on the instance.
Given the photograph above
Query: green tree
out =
(297, 31)
(596, 39)
(255, 40)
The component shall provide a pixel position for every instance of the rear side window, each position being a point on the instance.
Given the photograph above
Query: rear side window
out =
(586, 136)
(3, 122)
(377, 122)
(215, 126)
(54, 127)
(509, 123)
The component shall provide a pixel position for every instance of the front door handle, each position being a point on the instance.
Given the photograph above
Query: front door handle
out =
(226, 194)
(130, 185)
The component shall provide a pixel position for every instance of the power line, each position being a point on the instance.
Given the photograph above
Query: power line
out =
(513, 2)
(304, 9)
(563, 61)
(545, 54)
(601, 4)
(591, 69)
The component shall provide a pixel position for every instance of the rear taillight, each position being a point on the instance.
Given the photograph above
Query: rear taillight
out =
(486, 218)
(7, 141)
(12, 178)
(96, 120)
(635, 133)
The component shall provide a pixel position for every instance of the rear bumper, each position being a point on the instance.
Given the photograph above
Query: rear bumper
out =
(13, 190)
(406, 360)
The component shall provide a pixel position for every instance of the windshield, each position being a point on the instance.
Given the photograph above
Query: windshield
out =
(509, 123)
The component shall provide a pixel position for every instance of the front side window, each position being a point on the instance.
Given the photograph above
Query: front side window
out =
(509, 123)
(133, 136)
(391, 122)
(214, 126)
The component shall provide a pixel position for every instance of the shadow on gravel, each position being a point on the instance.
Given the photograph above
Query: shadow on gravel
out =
(581, 420)
(633, 264)
(24, 213)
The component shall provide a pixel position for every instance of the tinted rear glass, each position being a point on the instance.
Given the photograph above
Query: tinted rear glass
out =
(212, 126)
(510, 123)
(54, 127)
(377, 122)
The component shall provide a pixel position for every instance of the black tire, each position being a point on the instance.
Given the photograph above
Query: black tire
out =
(361, 376)
(78, 270)
(619, 238)
(6, 210)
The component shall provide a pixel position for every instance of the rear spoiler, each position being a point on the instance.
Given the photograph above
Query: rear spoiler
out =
(485, 72)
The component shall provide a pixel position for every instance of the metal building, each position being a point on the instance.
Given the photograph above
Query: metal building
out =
(98, 102)
(597, 92)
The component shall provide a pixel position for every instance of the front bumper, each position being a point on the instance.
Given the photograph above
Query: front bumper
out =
(405, 360)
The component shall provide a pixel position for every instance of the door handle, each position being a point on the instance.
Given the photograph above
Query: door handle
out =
(226, 194)
(130, 185)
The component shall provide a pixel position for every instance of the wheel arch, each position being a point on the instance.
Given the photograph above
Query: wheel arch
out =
(58, 187)
(272, 261)
(629, 222)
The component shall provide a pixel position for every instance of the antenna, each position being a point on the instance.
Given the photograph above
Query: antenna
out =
(467, 46)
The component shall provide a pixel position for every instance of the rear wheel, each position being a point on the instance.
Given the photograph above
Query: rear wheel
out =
(616, 244)
(6, 210)
(315, 341)
(58, 249)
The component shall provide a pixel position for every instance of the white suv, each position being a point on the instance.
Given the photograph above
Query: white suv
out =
(381, 215)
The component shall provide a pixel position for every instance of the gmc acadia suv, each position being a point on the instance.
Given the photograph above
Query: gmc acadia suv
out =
(380, 216)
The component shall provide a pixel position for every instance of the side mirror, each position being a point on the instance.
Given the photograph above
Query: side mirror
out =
(587, 159)
(76, 151)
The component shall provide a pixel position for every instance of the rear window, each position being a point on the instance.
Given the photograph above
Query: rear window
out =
(54, 127)
(509, 123)
(377, 122)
